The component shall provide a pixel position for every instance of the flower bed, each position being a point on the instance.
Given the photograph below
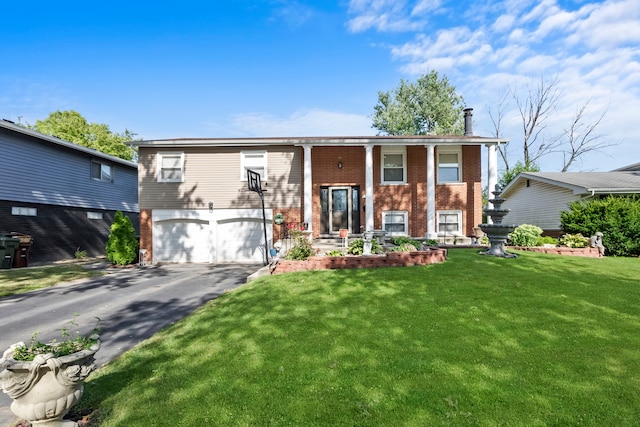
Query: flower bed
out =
(561, 250)
(390, 259)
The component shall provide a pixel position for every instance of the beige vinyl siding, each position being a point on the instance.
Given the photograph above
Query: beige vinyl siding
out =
(539, 204)
(212, 174)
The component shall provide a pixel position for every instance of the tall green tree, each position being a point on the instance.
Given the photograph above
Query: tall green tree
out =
(508, 175)
(427, 106)
(73, 127)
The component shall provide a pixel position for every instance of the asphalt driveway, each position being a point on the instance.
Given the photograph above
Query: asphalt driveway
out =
(132, 305)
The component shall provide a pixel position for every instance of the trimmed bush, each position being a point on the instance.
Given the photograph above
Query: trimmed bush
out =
(618, 218)
(525, 235)
(122, 244)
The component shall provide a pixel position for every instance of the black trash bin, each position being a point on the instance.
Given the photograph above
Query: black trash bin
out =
(8, 248)
(21, 254)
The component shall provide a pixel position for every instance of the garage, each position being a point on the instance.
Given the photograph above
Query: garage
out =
(240, 240)
(211, 237)
(181, 240)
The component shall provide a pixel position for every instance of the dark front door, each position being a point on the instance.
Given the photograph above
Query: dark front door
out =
(339, 208)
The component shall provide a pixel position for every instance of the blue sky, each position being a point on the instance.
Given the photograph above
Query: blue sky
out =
(236, 68)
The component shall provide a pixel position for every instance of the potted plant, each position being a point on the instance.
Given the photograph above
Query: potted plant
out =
(46, 380)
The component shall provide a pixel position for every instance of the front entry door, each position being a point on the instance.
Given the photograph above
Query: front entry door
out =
(339, 208)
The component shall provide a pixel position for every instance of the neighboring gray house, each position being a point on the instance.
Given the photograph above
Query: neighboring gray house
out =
(61, 194)
(630, 168)
(539, 197)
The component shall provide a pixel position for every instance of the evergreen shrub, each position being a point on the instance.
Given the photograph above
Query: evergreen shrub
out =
(122, 244)
(617, 217)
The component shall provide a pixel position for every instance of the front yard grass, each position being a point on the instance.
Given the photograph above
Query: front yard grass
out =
(20, 280)
(534, 341)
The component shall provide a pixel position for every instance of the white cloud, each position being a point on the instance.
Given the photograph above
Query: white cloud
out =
(293, 13)
(504, 23)
(388, 15)
(313, 122)
(425, 6)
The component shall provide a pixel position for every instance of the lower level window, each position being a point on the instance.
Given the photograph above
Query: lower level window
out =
(449, 222)
(395, 222)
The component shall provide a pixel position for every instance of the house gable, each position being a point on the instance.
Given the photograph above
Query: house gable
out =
(41, 169)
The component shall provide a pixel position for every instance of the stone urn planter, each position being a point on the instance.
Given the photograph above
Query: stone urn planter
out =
(45, 389)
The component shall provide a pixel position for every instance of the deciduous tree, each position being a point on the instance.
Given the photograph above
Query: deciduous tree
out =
(73, 127)
(428, 106)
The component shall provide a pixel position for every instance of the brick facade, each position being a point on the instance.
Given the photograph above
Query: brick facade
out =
(411, 197)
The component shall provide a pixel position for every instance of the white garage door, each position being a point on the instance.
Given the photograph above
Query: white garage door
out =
(181, 241)
(241, 240)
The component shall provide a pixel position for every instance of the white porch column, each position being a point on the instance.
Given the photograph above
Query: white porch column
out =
(308, 196)
(492, 173)
(368, 204)
(431, 193)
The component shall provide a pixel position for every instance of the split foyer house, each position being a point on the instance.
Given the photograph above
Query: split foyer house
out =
(61, 194)
(195, 205)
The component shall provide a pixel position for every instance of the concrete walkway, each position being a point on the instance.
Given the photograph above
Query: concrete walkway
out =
(132, 305)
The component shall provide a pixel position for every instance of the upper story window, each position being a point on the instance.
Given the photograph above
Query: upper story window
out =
(449, 165)
(170, 167)
(394, 165)
(101, 171)
(254, 160)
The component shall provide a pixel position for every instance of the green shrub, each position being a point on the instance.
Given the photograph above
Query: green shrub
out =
(405, 247)
(525, 235)
(334, 253)
(301, 249)
(431, 242)
(80, 254)
(547, 240)
(574, 241)
(356, 247)
(122, 244)
(618, 218)
(401, 240)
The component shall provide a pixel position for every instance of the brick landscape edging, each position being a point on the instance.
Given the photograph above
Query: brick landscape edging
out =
(389, 259)
(561, 250)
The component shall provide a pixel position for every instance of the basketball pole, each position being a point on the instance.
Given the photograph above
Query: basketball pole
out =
(253, 181)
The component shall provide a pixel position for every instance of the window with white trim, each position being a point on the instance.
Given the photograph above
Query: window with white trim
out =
(449, 165)
(94, 215)
(101, 171)
(393, 165)
(19, 210)
(395, 223)
(254, 160)
(449, 223)
(170, 167)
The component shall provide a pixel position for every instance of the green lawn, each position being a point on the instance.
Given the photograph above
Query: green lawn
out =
(19, 280)
(535, 341)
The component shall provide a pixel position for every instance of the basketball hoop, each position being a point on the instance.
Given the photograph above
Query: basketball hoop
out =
(253, 181)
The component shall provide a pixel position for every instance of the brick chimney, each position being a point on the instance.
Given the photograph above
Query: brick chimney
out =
(468, 121)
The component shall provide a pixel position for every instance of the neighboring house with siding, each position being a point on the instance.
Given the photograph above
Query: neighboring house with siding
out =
(61, 194)
(195, 205)
(538, 198)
